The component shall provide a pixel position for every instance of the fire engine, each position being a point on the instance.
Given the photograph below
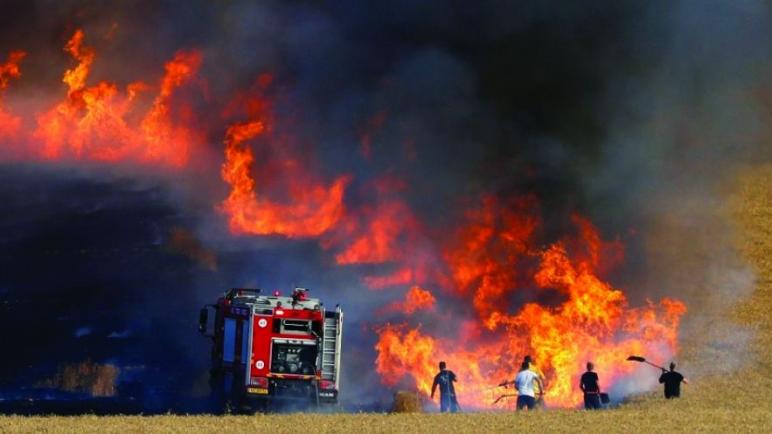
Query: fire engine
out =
(271, 348)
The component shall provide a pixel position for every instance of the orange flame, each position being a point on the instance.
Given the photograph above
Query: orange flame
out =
(378, 241)
(382, 233)
(313, 208)
(76, 78)
(416, 299)
(9, 124)
(403, 352)
(402, 276)
(10, 69)
(164, 140)
(592, 321)
(484, 261)
(92, 122)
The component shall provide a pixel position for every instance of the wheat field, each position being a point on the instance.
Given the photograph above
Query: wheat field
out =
(740, 402)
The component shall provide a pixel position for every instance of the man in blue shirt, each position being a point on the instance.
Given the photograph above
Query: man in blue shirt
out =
(445, 379)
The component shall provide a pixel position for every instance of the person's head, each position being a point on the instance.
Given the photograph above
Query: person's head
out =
(443, 366)
(590, 366)
(672, 366)
(528, 359)
(524, 366)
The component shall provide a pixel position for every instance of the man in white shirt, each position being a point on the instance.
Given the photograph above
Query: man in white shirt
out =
(524, 384)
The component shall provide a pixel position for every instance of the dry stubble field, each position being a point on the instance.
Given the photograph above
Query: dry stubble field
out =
(741, 402)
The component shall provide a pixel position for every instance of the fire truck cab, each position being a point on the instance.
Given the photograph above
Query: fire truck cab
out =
(271, 348)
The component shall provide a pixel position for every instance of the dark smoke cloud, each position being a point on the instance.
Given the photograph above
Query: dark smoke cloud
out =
(676, 137)
(620, 111)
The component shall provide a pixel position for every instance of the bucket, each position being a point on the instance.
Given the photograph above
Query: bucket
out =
(604, 399)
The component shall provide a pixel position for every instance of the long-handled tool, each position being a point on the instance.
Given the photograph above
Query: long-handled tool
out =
(506, 395)
(643, 360)
(504, 384)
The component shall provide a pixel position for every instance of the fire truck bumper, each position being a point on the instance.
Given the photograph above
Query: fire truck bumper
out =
(257, 391)
(328, 396)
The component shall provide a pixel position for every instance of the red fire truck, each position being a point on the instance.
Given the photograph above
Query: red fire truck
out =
(271, 348)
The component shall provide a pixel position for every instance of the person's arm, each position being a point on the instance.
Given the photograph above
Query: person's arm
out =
(581, 383)
(685, 381)
(543, 378)
(541, 385)
(453, 377)
(662, 377)
(434, 385)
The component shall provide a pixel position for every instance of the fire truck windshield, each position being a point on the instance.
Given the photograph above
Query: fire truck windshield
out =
(293, 359)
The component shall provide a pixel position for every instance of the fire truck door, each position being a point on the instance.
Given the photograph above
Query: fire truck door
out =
(244, 355)
(229, 340)
(236, 340)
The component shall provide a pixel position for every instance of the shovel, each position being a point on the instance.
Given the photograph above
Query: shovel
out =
(643, 360)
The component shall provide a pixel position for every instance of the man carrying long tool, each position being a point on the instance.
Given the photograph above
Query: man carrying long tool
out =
(537, 387)
(537, 384)
(672, 381)
(524, 382)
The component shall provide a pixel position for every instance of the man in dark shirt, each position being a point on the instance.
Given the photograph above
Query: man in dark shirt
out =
(591, 388)
(672, 381)
(444, 379)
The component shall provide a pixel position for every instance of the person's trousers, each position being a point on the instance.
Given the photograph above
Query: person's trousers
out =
(591, 401)
(526, 401)
(448, 403)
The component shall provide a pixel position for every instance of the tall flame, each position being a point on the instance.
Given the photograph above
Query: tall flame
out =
(76, 78)
(312, 209)
(92, 122)
(9, 124)
(166, 141)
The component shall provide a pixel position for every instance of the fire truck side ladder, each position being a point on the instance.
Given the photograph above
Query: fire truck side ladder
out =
(331, 345)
